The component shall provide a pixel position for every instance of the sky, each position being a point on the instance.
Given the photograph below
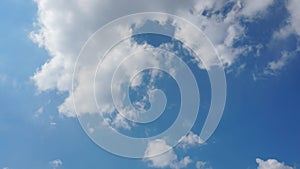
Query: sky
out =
(61, 104)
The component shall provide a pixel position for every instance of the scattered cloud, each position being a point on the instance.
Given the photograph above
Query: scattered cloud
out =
(293, 7)
(254, 7)
(276, 65)
(190, 140)
(168, 159)
(293, 21)
(202, 165)
(56, 163)
(271, 164)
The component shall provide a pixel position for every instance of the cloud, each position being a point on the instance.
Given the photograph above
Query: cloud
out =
(202, 165)
(293, 21)
(276, 65)
(271, 164)
(168, 159)
(63, 27)
(254, 7)
(56, 163)
(190, 140)
(293, 7)
(5, 168)
(38, 112)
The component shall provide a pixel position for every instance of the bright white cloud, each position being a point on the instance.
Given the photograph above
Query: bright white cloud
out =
(63, 27)
(271, 164)
(168, 159)
(190, 140)
(56, 163)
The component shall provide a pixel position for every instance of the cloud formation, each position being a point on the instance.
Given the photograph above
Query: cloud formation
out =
(56, 163)
(191, 140)
(63, 27)
(168, 159)
(271, 164)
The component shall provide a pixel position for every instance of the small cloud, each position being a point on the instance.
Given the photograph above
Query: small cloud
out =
(275, 66)
(52, 123)
(5, 168)
(190, 140)
(167, 159)
(271, 164)
(202, 165)
(56, 163)
(39, 112)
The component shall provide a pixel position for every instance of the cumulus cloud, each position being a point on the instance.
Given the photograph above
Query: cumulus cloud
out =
(168, 159)
(63, 28)
(191, 140)
(271, 164)
(56, 163)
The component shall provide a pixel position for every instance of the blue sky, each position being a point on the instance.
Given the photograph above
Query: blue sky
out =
(260, 119)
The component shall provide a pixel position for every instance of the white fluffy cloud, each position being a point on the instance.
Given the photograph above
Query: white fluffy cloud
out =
(271, 164)
(56, 163)
(191, 140)
(63, 27)
(168, 159)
